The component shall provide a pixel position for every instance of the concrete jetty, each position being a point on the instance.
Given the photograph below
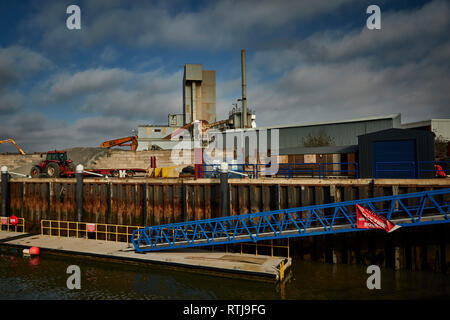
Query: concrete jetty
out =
(247, 266)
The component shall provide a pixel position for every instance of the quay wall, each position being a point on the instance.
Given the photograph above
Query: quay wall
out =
(147, 201)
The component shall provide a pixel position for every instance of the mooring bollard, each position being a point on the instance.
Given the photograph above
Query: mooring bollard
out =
(224, 190)
(79, 191)
(5, 191)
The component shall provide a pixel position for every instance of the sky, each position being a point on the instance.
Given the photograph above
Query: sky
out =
(307, 61)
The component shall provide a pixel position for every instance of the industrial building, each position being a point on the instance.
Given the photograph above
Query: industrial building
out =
(353, 146)
(339, 137)
(396, 153)
(440, 127)
(199, 103)
(340, 133)
(199, 94)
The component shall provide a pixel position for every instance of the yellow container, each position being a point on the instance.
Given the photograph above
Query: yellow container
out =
(158, 172)
(169, 172)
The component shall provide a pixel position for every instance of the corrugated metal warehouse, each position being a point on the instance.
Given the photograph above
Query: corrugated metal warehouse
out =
(342, 133)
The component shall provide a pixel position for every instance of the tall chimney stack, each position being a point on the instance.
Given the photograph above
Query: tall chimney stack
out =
(244, 92)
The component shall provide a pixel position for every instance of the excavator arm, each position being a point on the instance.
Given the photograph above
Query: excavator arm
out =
(14, 143)
(205, 126)
(121, 142)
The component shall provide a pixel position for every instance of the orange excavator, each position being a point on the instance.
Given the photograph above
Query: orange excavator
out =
(14, 143)
(121, 142)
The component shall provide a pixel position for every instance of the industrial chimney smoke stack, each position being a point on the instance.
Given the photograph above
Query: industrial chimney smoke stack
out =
(244, 92)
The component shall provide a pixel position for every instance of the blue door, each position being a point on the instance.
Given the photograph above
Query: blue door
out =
(394, 159)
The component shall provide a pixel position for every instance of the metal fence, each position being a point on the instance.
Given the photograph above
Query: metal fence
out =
(393, 169)
(438, 167)
(212, 170)
(411, 169)
(7, 226)
(352, 169)
(384, 169)
(286, 170)
(86, 230)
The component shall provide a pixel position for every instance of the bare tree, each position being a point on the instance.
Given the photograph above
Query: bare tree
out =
(441, 148)
(318, 140)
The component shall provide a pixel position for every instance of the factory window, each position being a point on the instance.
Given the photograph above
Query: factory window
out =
(157, 130)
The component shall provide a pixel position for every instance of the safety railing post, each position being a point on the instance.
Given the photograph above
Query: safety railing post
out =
(79, 192)
(415, 168)
(288, 248)
(5, 192)
(271, 248)
(224, 190)
(376, 170)
(321, 171)
(357, 170)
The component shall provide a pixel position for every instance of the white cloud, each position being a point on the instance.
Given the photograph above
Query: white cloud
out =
(18, 63)
(37, 132)
(10, 102)
(149, 96)
(330, 76)
(67, 86)
(215, 25)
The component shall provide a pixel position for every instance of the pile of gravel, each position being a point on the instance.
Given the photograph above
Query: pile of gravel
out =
(86, 156)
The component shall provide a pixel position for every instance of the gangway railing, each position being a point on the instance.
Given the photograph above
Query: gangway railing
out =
(411, 209)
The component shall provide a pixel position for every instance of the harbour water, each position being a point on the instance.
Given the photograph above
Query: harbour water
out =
(45, 277)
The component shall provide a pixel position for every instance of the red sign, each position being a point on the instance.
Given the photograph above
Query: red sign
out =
(90, 227)
(367, 219)
(13, 220)
(4, 220)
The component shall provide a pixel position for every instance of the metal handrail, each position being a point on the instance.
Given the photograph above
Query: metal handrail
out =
(421, 170)
(80, 230)
(216, 168)
(4, 221)
(356, 171)
(411, 169)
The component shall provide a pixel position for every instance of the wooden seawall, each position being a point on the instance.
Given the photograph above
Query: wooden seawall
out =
(160, 201)
(142, 202)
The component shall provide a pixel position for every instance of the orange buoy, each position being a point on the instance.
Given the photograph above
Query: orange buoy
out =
(34, 251)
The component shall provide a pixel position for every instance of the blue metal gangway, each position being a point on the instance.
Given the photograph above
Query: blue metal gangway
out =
(410, 209)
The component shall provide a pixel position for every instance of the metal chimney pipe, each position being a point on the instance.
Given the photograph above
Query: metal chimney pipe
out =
(244, 91)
